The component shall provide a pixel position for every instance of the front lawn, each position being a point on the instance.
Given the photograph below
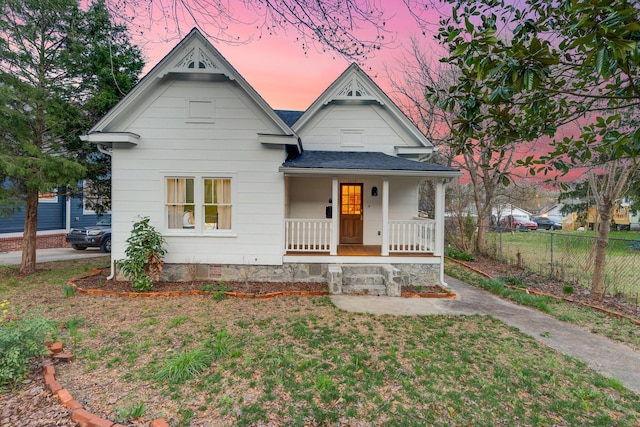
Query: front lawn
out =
(569, 255)
(300, 361)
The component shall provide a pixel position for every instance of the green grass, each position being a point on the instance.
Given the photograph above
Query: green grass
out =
(184, 366)
(602, 324)
(130, 413)
(573, 256)
(300, 361)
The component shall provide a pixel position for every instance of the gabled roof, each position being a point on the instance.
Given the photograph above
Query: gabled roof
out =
(193, 58)
(289, 116)
(368, 163)
(355, 86)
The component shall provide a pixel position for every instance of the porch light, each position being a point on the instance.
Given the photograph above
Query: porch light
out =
(374, 191)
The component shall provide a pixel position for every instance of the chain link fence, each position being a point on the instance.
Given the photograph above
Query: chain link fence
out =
(570, 258)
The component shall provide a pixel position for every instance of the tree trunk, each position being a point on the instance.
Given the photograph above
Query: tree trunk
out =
(602, 241)
(28, 265)
(481, 242)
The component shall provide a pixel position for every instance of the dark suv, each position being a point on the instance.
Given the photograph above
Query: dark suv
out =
(95, 236)
(548, 223)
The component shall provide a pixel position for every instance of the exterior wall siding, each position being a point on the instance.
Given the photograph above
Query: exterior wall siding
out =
(380, 132)
(51, 216)
(172, 146)
(51, 224)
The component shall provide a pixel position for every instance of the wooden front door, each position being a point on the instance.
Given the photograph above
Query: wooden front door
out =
(351, 213)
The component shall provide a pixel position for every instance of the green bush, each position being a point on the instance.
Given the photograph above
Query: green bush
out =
(458, 254)
(144, 256)
(20, 340)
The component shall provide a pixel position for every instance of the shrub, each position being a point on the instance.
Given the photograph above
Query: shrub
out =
(20, 340)
(458, 254)
(144, 256)
(567, 289)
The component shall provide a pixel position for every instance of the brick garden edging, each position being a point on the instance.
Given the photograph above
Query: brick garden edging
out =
(101, 292)
(444, 294)
(79, 414)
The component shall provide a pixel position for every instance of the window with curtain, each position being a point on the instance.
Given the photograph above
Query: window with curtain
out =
(217, 203)
(180, 203)
(199, 203)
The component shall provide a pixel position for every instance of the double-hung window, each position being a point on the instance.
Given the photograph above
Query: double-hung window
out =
(217, 203)
(199, 204)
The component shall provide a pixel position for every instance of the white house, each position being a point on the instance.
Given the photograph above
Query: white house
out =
(240, 190)
(501, 211)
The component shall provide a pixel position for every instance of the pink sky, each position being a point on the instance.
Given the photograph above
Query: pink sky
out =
(290, 79)
(287, 78)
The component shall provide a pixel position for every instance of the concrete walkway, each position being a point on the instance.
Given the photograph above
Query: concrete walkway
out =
(45, 255)
(605, 356)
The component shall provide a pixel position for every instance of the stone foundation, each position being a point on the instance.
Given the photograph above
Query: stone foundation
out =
(339, 277)
(251, 273)
(421, 274)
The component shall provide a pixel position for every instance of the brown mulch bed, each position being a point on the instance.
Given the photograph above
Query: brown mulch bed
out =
(100, 282)
(32, 404)
(536, 282)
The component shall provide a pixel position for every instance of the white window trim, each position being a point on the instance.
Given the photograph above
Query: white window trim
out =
(48, 199)
(198, 189)
(86, 211)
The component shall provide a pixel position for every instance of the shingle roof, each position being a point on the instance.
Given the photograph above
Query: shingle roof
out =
(289, 116)
(360, 160)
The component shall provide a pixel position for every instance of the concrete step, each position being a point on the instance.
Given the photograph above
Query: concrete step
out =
(353, 269)
(364, 280)
(379, 290)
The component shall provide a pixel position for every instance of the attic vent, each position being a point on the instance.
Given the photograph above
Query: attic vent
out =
(196, 59)
(354, 89)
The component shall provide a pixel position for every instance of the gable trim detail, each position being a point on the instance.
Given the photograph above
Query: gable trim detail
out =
(193, 57)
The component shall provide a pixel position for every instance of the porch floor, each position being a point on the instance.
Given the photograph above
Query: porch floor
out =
(362, 250)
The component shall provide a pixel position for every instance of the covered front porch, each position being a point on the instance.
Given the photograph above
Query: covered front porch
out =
(365, 217)
(349, 207)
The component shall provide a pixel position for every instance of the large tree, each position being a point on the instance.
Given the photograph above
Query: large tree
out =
(45, 72)
(529, 68)
(108, 69)
(421, 81)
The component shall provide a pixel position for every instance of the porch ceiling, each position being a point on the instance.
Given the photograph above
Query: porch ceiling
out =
(362, 163)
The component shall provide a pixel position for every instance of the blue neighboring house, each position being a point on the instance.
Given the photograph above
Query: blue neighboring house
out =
(57, 214)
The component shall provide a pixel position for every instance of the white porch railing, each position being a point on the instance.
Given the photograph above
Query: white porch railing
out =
(307, 235)
(412, 235)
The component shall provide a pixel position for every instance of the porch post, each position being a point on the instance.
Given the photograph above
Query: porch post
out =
(385, 217)
(439, 234)
(333, 250)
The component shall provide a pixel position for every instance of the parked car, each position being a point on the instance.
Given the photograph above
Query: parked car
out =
(517, 222)
(548, 223)
(95, 236)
